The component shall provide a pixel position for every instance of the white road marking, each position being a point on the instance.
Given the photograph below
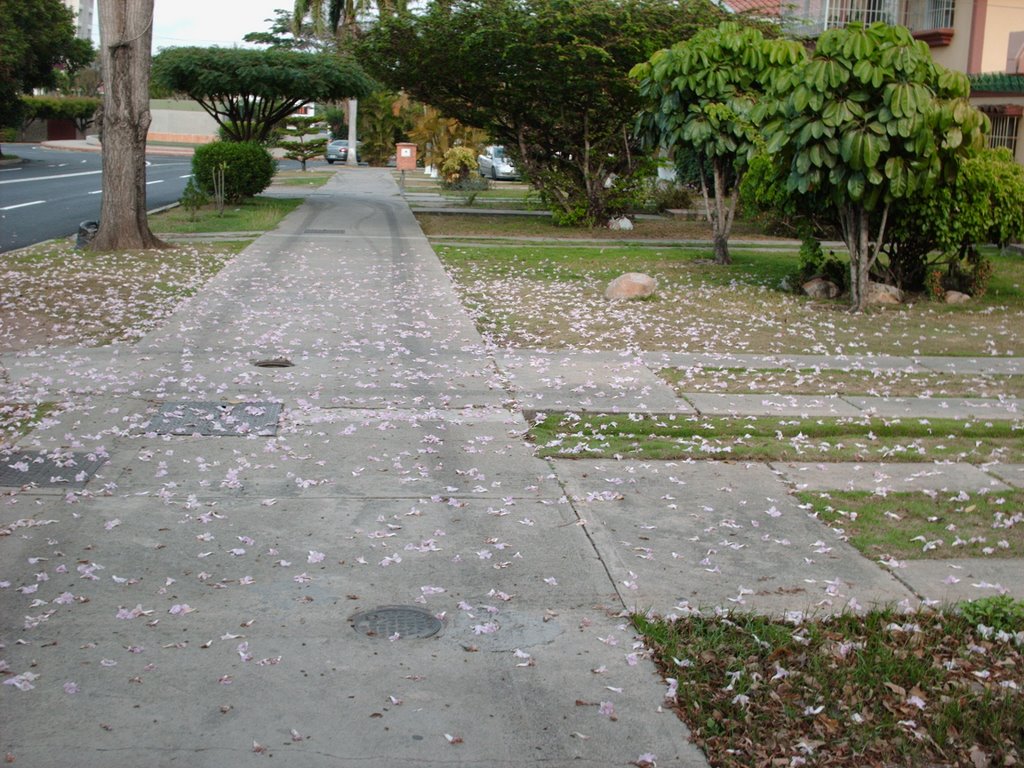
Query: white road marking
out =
(97, 192)
(50, 178)
(158, 181)
(22, 205)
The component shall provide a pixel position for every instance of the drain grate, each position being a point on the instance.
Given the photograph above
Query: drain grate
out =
(69, 470)
(216, 419)
(313, 231)
(402, 620)
(274, 362)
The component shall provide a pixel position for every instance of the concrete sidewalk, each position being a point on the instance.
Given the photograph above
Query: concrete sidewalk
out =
(195, 597)
(198, 600)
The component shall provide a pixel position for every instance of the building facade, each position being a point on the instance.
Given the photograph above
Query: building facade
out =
(84, 15)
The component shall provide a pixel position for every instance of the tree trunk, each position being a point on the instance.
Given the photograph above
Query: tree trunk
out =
(126, 32)
(856, 224)
(721, 214)
(353, 151)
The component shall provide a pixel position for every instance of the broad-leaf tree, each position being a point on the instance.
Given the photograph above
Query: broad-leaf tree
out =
(711, 93)
(249, 92)
(871, 119)
(546, 78)
(37, 39)
(126, 31)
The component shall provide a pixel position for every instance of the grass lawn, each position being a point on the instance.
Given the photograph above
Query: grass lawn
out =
(915, 526)
(774, 439)
(884, 689)
(551, 295)
(65, 297)
(302, 178)
(257, 214)
(883, 383)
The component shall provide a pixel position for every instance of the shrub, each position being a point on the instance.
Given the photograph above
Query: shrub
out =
(248, 168)
(814, 262)
(458, 164)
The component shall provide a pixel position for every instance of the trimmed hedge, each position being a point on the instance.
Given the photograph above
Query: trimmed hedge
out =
(248, 168)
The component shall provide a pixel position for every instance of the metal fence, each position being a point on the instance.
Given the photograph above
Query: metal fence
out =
(812, 17)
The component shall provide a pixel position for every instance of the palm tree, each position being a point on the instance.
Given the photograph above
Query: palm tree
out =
(339, 19)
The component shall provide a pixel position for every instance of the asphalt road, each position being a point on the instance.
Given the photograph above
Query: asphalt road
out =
(52, 191)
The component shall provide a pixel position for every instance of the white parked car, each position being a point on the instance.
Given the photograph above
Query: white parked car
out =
(495, 164)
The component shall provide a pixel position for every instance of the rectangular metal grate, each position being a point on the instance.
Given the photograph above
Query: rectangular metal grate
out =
(216, 419)
(45, 470)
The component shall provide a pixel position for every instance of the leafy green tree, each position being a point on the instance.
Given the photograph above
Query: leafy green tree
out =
(546, 78)
(300, 138)
(870, 118)
(248, 92)
(711, 93)
(37, 39)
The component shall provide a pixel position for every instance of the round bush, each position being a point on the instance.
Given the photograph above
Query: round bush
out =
(248, 168)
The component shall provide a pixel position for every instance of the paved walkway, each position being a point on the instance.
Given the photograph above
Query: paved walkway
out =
(193, 602)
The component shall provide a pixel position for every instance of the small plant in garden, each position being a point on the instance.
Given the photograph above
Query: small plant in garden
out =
(458, 164)
(193, 198)
(1001, 612)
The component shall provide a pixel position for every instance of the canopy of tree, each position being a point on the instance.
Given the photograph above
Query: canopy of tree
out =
(36, 37)
(871, 119)
(547, 78)
(711, 94)
(248, 92)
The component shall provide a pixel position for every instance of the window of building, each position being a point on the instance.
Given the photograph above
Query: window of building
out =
(929, 14)
(1004, 131)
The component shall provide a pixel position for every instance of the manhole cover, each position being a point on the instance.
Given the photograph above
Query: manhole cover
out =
(401, 620)
(211, 418)
(72, 470)
(274, 362)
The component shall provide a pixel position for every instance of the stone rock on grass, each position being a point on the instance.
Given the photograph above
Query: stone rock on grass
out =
(632, 285)
(880, 293)
(820, 288)
(955, 297)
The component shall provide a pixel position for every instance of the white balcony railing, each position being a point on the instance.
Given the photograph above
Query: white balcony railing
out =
(812, 17)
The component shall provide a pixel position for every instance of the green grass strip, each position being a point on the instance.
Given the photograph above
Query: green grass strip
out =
(573, 435)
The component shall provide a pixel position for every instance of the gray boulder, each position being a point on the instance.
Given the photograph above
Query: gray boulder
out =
(820, 288)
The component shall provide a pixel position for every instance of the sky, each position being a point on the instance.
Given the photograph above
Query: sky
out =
(210, 22)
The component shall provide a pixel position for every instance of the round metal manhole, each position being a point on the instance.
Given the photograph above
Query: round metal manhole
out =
(274, 362)
(397, 621)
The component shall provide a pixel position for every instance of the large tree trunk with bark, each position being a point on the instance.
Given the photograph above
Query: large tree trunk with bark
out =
(126, 33)
(856, 225)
